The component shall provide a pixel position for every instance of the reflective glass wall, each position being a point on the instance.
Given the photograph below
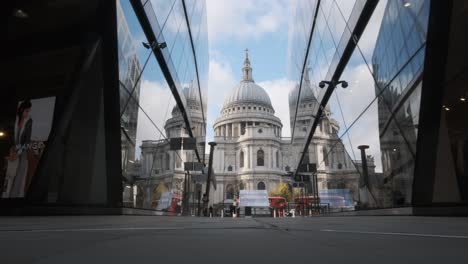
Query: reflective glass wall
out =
(149, 86)
(376, 110)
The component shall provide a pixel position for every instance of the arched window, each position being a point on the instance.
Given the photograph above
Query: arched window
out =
(287, 168)
(260, 158)
(261, 186)
(229, 191)
(229, 168)
(277, 159)
(241, 186)
(241, 159)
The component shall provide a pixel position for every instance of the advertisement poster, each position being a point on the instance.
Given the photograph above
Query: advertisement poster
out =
(32, 127)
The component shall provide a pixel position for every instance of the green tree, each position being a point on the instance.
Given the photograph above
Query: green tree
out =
(283, 191)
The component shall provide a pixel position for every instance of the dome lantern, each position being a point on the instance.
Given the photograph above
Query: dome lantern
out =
(247, 69)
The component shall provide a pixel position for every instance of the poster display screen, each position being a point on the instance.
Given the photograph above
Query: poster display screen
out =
(256, 198)
(28, 140)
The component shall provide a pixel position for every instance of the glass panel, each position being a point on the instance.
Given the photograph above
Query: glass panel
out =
(153, 172)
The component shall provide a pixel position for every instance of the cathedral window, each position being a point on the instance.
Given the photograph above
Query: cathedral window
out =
(178, 161)
(241, 186)
(168, 161)
(287, 168)
(255, 108)
(340, 166)
(238, 108)
(261, 186)
(260, 158)
(229, 168)
(229, 191)
(241, 159)
(277, 159)
(325, 156)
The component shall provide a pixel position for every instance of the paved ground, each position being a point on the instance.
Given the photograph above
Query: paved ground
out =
(151, 239)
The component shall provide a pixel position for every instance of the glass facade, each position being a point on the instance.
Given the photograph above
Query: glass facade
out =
(380, 105)
(150, 114)
(398, 62)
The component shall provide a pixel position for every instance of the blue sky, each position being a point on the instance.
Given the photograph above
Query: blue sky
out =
(262, 27)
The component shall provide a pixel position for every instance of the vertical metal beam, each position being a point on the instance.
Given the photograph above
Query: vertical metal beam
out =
(171, 80)
(361, 24)
(108, 18)
(304, 66)
(432, 94)
(192, 45)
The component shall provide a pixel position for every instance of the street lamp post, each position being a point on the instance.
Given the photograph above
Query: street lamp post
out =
(365, 173)
(206, 197)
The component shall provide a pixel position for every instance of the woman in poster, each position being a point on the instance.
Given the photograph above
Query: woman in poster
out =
(19, 151)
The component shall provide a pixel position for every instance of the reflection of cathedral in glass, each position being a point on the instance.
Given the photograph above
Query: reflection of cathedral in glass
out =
(129, 70)
(250, 152)
(398, 66)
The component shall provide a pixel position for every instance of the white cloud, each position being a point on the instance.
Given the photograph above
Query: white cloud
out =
(369, 37)
(353, 101)
(278, 91)
(244, 19)
(220, 82)
(157, 101)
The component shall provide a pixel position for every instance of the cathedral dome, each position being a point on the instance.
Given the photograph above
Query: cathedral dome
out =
(247, 91)
(306, 95)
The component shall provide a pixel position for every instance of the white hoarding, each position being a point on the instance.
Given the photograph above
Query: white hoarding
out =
(257, 198)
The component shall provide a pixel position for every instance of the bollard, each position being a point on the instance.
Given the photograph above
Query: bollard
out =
(284, 213)
(294, 214)
(274, 213)
(310, 212)
(222, 214)
(211, 215)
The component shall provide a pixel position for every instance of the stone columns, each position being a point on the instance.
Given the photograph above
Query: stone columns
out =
(251, 160)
